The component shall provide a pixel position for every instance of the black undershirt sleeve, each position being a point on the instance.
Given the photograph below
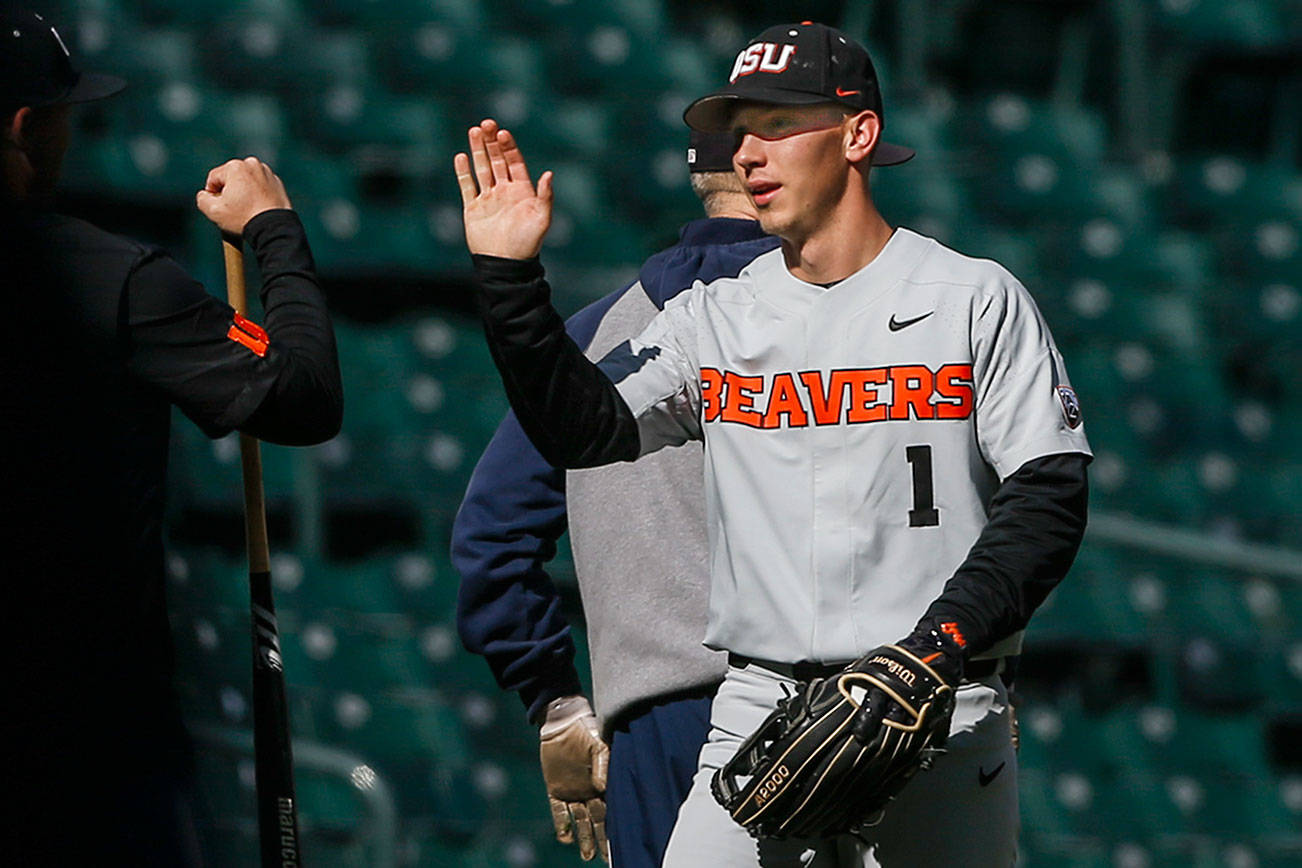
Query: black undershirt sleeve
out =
(183, 342)
(306, 402)
(570, 409)
(1036, 521)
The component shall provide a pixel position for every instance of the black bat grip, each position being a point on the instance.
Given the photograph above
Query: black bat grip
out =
(274, 759)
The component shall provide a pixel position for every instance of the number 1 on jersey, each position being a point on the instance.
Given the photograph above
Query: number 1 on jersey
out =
(924, 512)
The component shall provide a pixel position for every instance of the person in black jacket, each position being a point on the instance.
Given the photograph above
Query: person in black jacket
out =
(102, 336)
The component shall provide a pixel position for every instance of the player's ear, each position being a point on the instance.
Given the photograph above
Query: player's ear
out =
(17, 128)
(862, 132)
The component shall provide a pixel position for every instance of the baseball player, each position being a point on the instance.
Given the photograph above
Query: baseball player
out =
(652, 679)
(892, 445)
(104, 336)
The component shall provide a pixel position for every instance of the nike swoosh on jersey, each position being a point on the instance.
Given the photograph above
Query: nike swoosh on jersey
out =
(984, 778)
(896, 325)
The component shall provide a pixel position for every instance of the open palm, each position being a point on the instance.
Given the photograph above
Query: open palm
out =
(504, 215)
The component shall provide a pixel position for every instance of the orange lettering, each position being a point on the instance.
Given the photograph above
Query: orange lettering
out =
(785, 400)
(863, 397)
(826, 405)
(739, 402)
(711, 393)
(911, 387)
(954, 383)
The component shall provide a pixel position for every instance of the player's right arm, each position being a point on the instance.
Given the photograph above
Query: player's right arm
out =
(572, 411)
(282, 385)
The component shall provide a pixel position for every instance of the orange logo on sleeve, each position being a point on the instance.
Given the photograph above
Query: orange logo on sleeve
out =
(952, 629)
(250, 334)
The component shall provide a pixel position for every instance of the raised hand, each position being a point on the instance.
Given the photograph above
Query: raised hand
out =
(504, 215)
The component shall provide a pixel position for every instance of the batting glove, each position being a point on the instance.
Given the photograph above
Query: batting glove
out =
(574, 763)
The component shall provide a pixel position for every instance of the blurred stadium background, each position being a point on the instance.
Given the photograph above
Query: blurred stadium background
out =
(1138, 163)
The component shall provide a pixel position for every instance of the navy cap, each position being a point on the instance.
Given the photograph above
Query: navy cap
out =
(36, 69)
(799, 64)
(710, 152)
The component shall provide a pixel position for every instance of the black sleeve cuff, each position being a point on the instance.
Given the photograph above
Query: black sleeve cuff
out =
(499, 269)
(279, 241)
(537, 697)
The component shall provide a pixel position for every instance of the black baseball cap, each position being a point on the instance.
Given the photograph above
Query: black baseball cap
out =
(710, 152)
(36, 69)
(799, 64)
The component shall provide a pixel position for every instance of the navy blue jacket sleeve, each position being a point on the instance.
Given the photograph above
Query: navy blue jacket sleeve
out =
(508, 610)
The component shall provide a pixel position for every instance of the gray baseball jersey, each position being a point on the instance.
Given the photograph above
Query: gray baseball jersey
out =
(854, 435)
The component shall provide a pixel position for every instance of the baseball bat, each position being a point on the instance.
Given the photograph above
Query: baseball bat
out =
(273, 756)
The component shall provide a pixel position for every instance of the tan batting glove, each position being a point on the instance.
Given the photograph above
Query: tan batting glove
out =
(574, 762)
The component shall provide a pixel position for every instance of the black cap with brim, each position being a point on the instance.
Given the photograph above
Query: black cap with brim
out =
(91, 86)
(713, 114)
(36, 69)
(798, 64)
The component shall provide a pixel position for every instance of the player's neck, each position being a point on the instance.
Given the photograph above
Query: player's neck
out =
(847, 241)
(15, 177)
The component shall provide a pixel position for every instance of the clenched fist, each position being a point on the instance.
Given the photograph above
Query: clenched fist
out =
(239, 190)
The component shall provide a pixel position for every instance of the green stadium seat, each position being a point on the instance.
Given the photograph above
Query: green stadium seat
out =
(1101, 806)
(438, 60)
(1282, 669)
(212, 645)
(251, 52)
(1043, 158)
(347, 651)
(355, 238)
(346, 119)
(1090, 603)
(642, 18)
(333, 820)
(181, 113)
(582, 232)
(395, 728)
(512, 789)
(143, 56)
(1242, 24)
(1229, 191)
(1229, 805)
(407, 584)
(608, 58)
(142, 167)
(197, 15)
(365, 15)
(1215, 604)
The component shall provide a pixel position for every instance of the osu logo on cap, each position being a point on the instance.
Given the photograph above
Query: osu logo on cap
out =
(762, 57)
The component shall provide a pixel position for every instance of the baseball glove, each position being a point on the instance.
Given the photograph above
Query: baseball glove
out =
(837, 751)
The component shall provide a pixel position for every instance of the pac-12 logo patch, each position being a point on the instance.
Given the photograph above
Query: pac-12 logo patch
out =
(1070, 406)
